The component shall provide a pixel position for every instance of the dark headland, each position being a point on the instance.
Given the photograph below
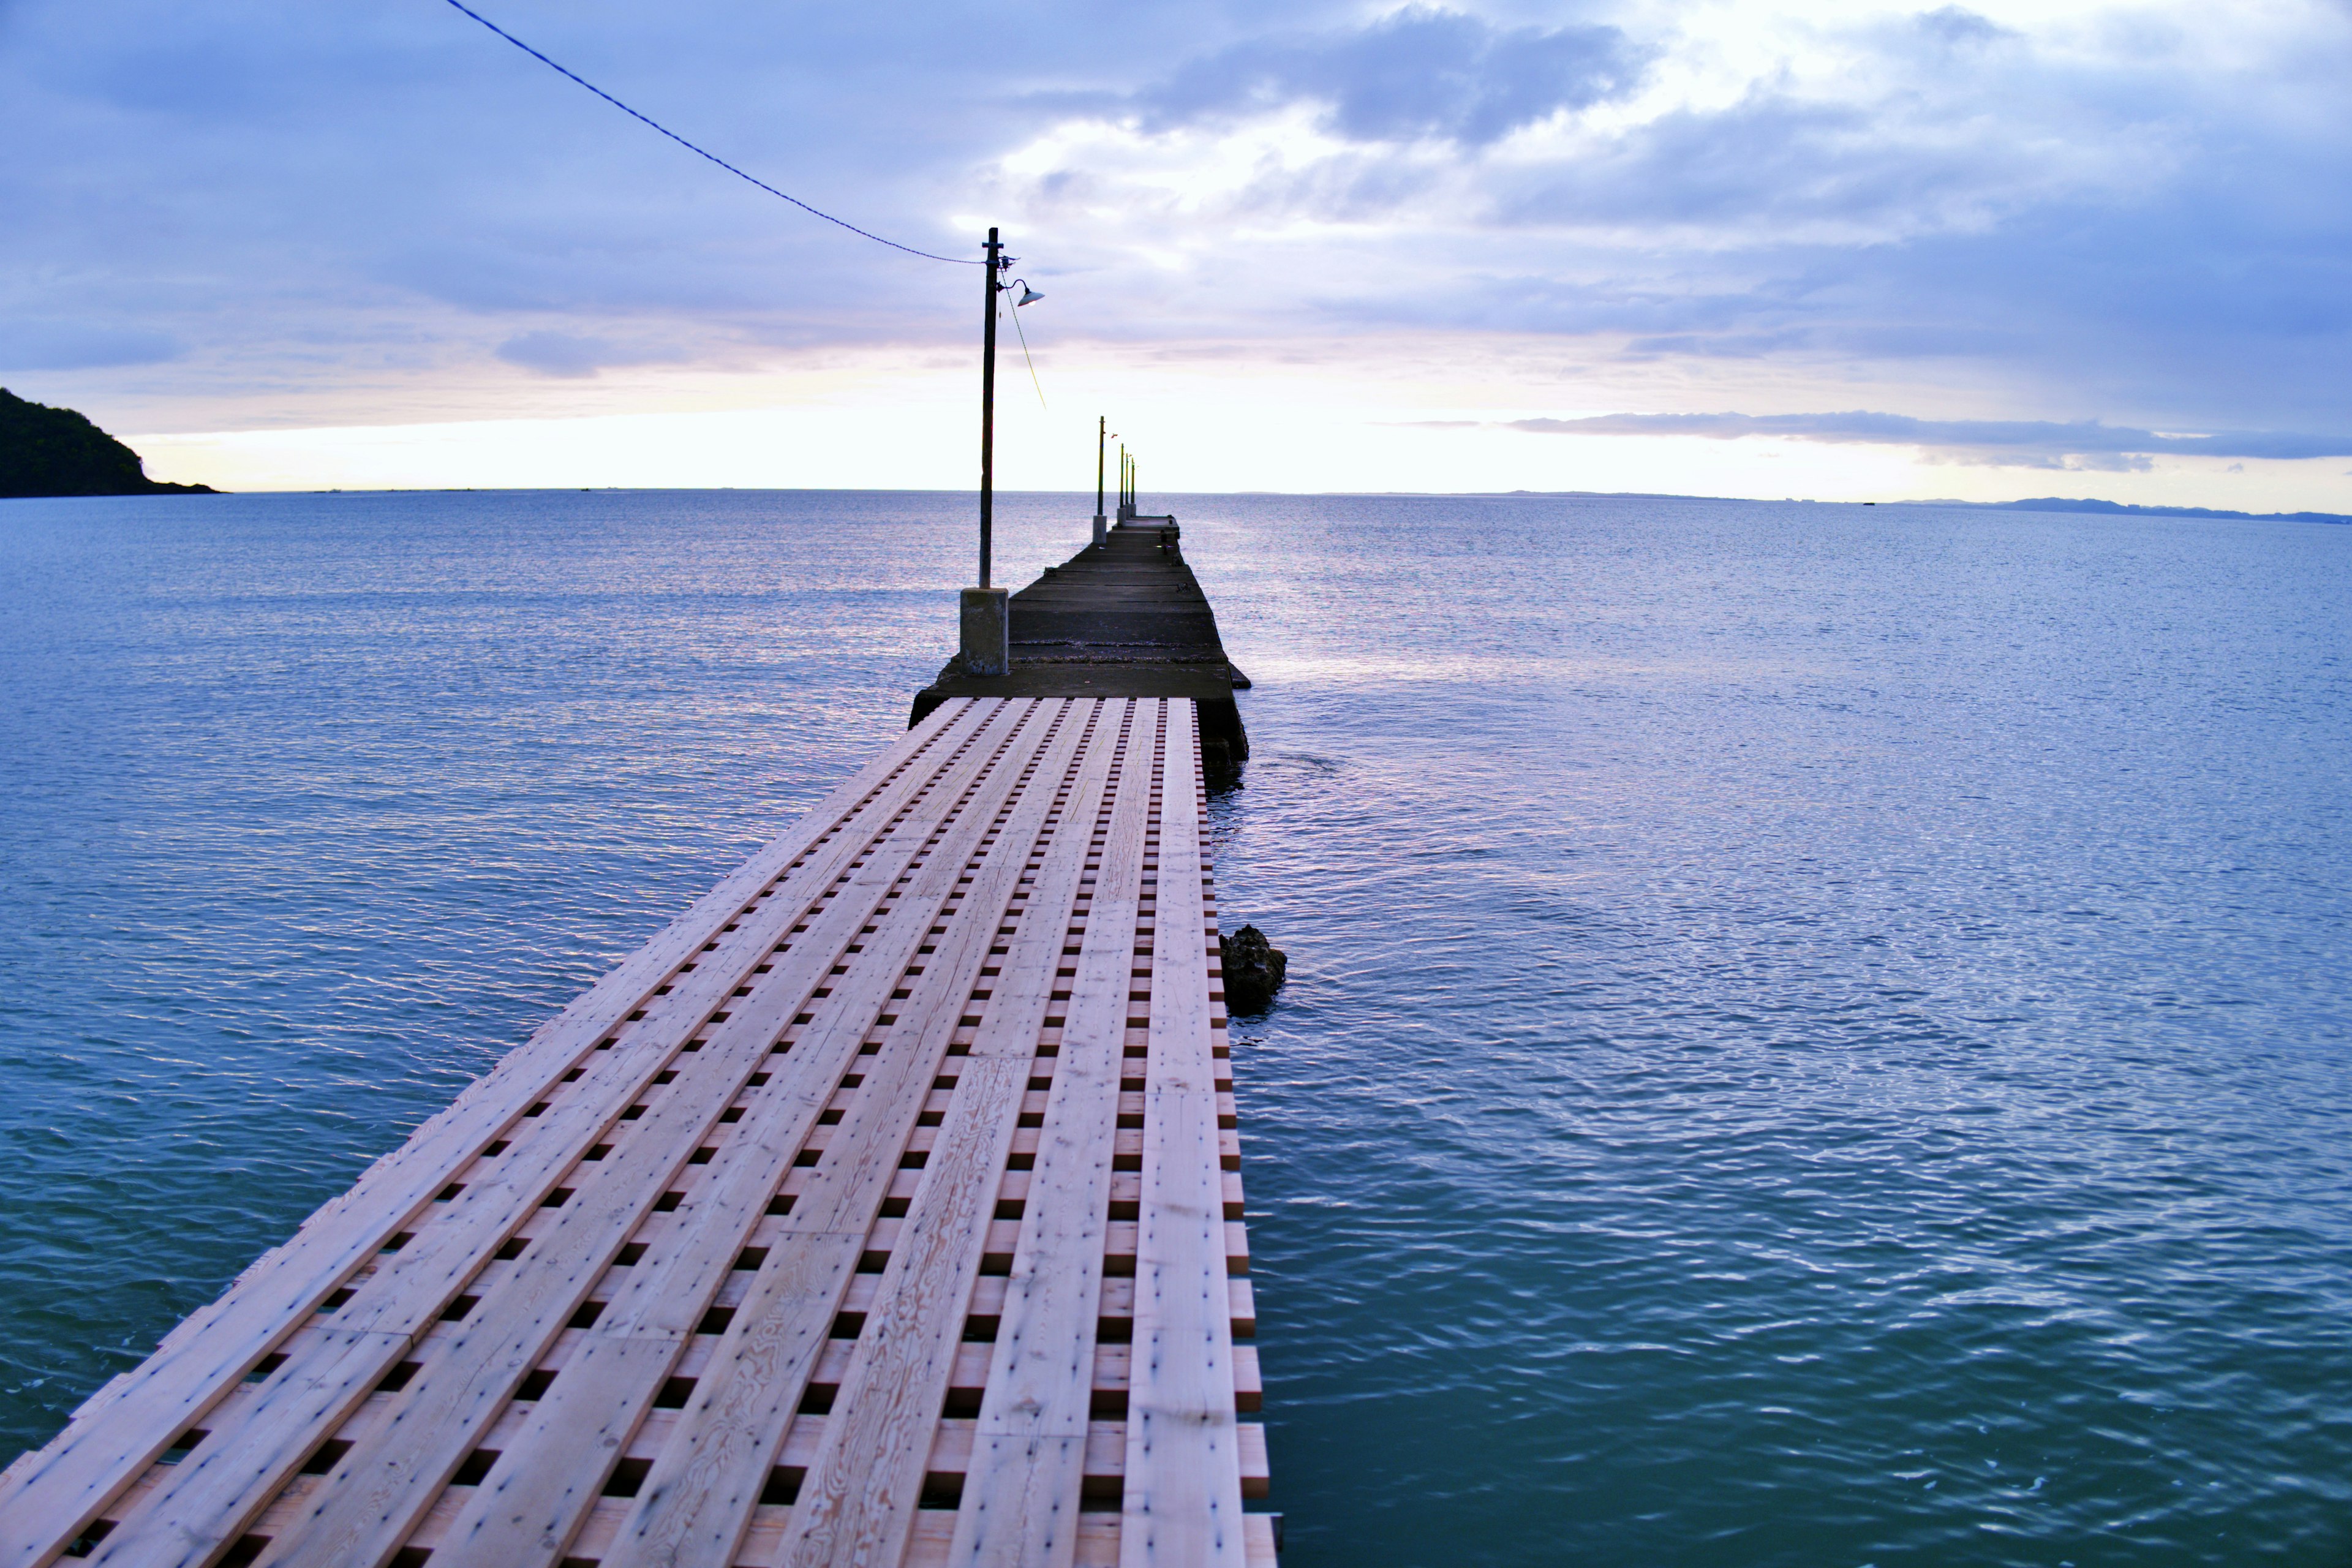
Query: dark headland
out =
(48, 451)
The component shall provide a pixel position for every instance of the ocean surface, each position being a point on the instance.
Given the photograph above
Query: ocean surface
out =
(1817, 1035)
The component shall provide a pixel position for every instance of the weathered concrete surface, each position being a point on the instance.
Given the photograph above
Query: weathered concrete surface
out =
(1123, 618)
(986, 631)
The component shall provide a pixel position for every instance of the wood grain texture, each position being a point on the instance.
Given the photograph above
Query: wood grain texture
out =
(859, 955)
(698, 1498)
(1183, 1500)
(1019, 1501)
(858, 1502)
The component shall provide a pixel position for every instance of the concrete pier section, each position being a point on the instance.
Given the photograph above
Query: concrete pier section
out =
(1122, 618)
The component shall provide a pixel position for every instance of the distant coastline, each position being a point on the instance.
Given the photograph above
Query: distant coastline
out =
(2042, 503)
(46, 451)
(112, 466)
(2059, 503)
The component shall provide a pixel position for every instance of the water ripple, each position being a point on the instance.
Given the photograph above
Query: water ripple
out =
(1815, 1035)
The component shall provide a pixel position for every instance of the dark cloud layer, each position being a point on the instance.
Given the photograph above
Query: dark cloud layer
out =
(1417, 73)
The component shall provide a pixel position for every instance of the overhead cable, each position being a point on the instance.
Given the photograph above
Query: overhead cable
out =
(592, 86)
(1025, 359)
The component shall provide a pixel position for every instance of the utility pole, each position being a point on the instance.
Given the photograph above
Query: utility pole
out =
(1102, 436)
(986, 619)
(988, 400)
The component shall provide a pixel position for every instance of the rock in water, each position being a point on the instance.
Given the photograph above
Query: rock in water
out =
(1254, 970)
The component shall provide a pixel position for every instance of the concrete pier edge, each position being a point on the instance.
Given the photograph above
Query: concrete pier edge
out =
(1123, 617)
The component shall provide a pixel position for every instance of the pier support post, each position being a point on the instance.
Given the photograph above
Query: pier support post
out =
(987, 631)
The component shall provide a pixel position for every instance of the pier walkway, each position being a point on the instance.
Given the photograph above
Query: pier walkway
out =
(883, 1210)
(1122, 618)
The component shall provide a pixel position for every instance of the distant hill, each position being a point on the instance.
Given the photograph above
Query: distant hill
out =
(2058, 503)
(48, 451)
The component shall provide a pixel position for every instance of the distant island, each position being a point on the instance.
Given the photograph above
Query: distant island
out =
(48, 451)
(2044, 504)
(2059, 503)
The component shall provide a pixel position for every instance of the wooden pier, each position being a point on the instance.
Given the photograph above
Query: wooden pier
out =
(1122, 618)
(884, 1209)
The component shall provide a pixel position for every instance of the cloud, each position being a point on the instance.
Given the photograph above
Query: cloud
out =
(1955, 26)
(1419, 73)
(1775, 205)
(2001, 443)
(563, 354)
(71, 345)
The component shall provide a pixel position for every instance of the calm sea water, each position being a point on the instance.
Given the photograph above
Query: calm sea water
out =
(1817, 1035)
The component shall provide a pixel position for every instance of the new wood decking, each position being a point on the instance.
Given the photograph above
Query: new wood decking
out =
(884, 1209)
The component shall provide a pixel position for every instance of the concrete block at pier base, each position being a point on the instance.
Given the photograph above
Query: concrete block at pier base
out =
(1101, 530)
(987, 631)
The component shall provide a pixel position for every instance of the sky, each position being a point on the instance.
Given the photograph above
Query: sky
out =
(1836, 249)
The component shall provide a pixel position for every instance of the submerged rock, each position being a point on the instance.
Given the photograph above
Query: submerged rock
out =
(1254, 970)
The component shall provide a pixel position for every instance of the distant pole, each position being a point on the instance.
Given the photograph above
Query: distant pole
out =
(1102, 436)
(988, 402)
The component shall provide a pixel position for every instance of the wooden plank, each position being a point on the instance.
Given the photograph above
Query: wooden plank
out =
(48, 1495)
(860, 1496)
(783, 1072)
(532, 1499)
(1105, 1453)
(378, 1490)
(1183, 1502)
(549, 1147)
(1097, 1540)
(1020, 1503)
(276, 1435)
(209, 1504)
(220, 1442)
(698, 1498)
(935, 993)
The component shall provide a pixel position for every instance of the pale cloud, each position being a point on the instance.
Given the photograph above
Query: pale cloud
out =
(565, 355)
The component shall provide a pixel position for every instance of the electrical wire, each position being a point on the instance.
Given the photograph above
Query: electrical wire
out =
(592, 86)
(1025, 359)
